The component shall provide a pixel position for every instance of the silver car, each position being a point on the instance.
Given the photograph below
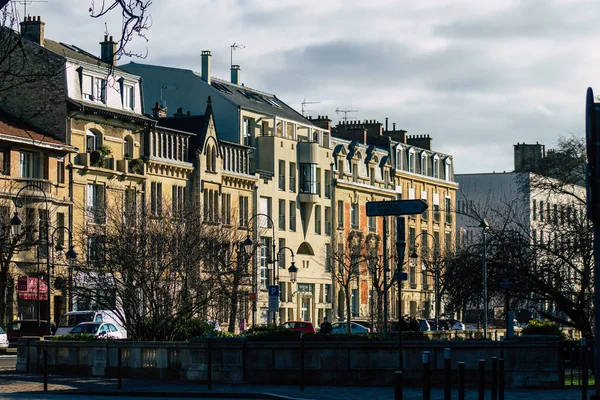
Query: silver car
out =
(3, 341)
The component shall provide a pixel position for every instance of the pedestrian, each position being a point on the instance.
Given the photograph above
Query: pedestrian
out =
(326, 326)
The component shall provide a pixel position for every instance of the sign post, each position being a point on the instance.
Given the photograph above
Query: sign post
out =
(273, 298)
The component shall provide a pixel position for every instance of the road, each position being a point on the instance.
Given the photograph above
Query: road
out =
(8, 361)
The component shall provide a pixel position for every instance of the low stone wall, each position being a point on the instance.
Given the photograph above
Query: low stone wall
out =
(528, 363)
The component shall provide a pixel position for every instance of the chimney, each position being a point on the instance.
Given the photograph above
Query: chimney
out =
(206, 66)
(235, 74)
(33, 29)
(159, 111)
(108, 50)
(421, 141)
(322, 122)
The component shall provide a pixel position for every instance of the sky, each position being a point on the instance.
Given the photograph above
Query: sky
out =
(477, 76)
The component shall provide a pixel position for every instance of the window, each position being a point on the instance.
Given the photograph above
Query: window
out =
(328, 184)
(264, 261)
(156, 198)
(328, 221)
(128, 147)
(5, 161)
(129, 203)
(436, 212)
(340, 214)
(60, 170)
(226, 208)
(243, 210)
(292, 177)
(448, 210)
(541, 210)
(292, 216)
(282, 260)
(211, 205)
(95, 253)
(92, 141)
(128, 97)
(372, 224)
(247, 131)
(93, 88)
(95, 203)
(354, 215)
(60, 233)
(29, 165)
(43, 226)
(265, 128)
(436, 167)
(178, 199)
(308, 178)
(282, 215)
(318, 220)
(411, 160)
(448, 242)
(424, 165)
(265, 208)
(355, 301)
(318, 182)
(281, 180)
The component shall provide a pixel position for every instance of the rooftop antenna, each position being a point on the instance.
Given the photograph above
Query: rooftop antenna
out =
(25, 2)
(166, 87)
(337, 111)
(304, 103)
(234, 47)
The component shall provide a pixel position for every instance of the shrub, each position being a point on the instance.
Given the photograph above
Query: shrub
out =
(268, 333)
(136, 166)
(84, 337)
(537, 327)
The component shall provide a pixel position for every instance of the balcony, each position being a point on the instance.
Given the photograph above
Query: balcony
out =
(93, 160)
(44, 184)
(132, 166)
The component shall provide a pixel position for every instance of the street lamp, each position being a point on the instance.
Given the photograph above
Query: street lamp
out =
(16, 228)
(484, 227)
(274, 260)
(436, 265)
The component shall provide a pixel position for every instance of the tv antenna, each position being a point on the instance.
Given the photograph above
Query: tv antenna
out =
(337, 111)
(234, 47)
(304, 103)
(26, 2)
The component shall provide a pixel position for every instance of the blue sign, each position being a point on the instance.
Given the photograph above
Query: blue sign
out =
(273, 290)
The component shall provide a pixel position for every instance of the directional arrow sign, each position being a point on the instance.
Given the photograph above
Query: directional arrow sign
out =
(398, 207)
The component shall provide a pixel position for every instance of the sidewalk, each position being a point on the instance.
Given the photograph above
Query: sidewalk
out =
(18, 383)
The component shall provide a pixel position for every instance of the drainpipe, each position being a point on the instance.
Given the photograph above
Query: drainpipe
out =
(333, 243)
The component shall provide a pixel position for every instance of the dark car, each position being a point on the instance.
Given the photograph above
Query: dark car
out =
(27, 327)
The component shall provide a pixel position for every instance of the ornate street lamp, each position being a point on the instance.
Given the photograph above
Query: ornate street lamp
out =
(293, 271)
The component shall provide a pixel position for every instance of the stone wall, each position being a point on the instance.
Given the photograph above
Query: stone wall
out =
(528, 363)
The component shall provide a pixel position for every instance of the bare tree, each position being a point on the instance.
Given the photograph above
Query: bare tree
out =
(146, 267)
(346, 263)
(136, 21)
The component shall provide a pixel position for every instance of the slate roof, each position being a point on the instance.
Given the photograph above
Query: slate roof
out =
(195, 124)
(75, 53)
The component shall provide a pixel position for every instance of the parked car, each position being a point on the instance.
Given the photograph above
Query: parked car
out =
(73, 318)
(98, 329)
(3, 341)
(27, 327)
(341, 328)
(300, 326)
(456, 325)
(366, 324)
(424, 325)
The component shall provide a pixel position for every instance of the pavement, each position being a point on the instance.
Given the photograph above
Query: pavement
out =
(30, 386)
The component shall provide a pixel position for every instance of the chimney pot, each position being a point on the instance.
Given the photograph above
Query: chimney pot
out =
(206, 73)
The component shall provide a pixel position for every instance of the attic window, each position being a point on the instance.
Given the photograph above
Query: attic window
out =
(271, 102)
(222, 88)
(251, 96)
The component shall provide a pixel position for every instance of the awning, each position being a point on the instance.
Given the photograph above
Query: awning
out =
(27, 288)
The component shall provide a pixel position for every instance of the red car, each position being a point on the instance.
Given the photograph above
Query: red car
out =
(300, 326)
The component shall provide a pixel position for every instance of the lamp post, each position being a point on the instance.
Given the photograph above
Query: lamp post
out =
(70, 255)
(436, 265)
(484, 227)
(273, 261)
(16, 228)
(292, 270)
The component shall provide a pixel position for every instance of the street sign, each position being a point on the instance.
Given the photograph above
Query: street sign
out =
(398, 207)
(274, 290)
(273, 298)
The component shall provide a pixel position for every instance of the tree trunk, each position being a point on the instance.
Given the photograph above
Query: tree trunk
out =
(233, 307)
(348, 310)
(3, 286)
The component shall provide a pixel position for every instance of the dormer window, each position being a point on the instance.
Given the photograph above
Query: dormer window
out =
(424, 164)
(128, 97)
(93, 88)
(436, 166)
(411, 160)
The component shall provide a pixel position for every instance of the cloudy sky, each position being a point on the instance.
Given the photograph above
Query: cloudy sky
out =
(477, 76)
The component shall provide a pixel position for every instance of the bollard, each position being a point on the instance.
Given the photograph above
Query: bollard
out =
(119, 369)
(584, 369)
(209, 361)
(481, 380)
(45, 370)
(447, 373)
(501, 379)
(398, 386)
(426, 376)
(301, 362)
(494, 378)
(461, 380)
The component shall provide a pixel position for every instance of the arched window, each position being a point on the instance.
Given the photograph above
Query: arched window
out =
(214, 159)
(209, 158)
(128, 147)
(93, 140)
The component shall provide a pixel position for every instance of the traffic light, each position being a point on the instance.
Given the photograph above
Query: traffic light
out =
(592, 137)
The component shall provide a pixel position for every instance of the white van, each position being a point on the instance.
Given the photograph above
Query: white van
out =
(73, 318)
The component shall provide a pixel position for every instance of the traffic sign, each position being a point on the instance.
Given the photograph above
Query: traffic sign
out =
(398, 207)
(273, 290)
